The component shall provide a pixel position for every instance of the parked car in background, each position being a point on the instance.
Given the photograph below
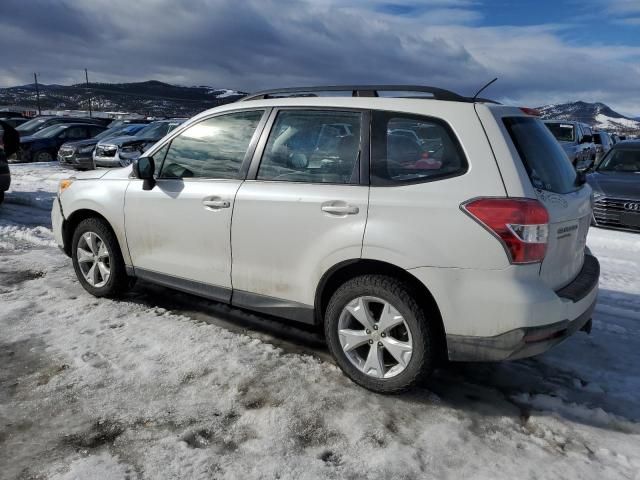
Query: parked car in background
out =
(616, 187)
(122, 122)
(121, 151)
(5, 174)
(14, 121)
(79, 154)
(354, 234)
(603, 144)
(9, 140)
(39, 123)
(576, 140)
(614, 138)
(44, 144)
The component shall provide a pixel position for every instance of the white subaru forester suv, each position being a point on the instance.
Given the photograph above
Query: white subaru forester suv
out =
(412, 229)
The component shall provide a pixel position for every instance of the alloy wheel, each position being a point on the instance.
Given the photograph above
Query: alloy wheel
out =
(375, 337)
(94, 259)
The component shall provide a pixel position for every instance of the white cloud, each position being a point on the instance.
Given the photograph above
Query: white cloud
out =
(260, 44)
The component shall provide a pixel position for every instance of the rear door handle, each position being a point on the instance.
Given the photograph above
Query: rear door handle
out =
(216, 204)
(341, 209)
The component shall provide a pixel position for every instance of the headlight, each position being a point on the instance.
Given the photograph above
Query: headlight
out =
(64, 184)
(88, 149)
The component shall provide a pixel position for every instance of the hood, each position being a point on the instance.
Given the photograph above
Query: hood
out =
(90, 175)
(126, 139)
(30, 139)
(616, 185)
(81, 143)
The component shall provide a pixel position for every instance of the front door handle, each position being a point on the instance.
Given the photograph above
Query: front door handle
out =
(216, 204)
(341, 209)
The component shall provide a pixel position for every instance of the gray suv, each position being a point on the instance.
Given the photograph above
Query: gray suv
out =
(576, 139)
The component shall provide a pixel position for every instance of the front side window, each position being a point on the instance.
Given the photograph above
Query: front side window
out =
(75, 133)
(544, 159)
(411, 149)
(313, 146)
(212, 148)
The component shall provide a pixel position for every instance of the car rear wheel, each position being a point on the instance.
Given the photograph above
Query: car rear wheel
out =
(379, 335)
(97, 259)
(42, 156)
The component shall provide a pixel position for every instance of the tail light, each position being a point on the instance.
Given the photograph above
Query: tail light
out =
(521, 225)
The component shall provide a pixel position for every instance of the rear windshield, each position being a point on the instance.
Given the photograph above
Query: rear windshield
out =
(564, 132)
(544, 159)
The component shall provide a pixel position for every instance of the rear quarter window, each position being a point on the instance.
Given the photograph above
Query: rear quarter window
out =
(543, 158)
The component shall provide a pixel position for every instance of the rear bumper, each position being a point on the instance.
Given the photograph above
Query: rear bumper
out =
(578, 299)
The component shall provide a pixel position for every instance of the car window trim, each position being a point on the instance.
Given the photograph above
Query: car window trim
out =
(378, 182)
(244, 166)
(363, 157)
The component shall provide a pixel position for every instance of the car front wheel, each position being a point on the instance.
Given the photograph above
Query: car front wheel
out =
(379, 335)
(97, 259)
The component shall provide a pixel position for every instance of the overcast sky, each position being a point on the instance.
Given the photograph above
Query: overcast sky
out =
(543, 51)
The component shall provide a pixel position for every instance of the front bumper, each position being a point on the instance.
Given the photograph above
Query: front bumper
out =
(57, 222)
(580, 297)
(76, 161)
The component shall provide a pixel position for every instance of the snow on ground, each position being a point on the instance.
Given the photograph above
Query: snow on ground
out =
(165, 385)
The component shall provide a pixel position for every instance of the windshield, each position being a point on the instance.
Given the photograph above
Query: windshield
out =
(564, 132)
(154, 130)
(127, 129)
(50, 132)
(31, 124)
(544, 159)
(621, 160)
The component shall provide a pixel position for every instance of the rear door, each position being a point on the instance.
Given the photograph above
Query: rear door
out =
(555, 182)
(301, 210)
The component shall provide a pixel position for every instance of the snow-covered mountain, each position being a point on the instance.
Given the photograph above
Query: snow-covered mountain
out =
(596, 114)
(148, 98)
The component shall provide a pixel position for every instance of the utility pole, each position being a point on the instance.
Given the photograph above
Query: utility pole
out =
(86, 76)
(35, 77)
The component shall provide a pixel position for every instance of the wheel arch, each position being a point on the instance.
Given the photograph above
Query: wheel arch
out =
(348, 269)
(69, 225)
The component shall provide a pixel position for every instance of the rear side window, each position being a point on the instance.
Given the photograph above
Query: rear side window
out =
(544, 159)
(413, 149)
(314, 147)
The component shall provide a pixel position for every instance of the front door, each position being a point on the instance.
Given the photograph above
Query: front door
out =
(178, 233)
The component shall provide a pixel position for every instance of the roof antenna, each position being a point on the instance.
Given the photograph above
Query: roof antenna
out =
(483, 88)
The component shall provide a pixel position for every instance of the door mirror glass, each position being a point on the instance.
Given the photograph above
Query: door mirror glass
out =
(143, 168)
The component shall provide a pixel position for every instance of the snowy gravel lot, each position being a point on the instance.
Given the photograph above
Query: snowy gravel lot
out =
(165, 385)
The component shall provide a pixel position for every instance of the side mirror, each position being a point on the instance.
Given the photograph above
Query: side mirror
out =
(581, 178)
(144, 168)
(587, 139)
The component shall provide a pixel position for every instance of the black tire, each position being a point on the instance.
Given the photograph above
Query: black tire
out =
(118, 281)
(34, 157)
(423, 333)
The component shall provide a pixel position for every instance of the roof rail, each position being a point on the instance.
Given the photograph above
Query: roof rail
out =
(359, 91)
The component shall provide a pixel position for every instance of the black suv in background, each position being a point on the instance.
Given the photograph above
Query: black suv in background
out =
(43, 145)
(39, 123)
